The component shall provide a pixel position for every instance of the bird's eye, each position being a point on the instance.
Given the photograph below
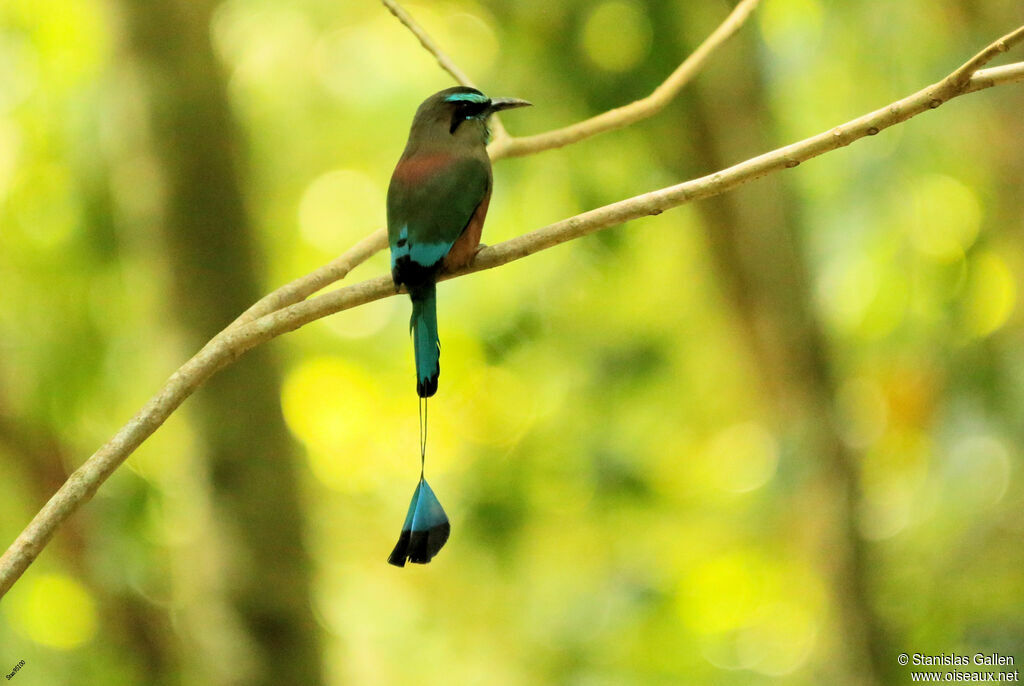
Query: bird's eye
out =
(467, 110)
(473, 109)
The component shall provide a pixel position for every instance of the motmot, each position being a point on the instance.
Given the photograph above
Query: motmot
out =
(436, 205)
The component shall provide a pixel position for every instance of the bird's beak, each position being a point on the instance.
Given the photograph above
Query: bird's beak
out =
(498, 104)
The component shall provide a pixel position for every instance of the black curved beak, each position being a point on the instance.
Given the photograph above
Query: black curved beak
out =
(498, 104)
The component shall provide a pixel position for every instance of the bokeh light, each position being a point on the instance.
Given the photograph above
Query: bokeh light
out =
(338, 205)
(617, 35)
(991, 294)
(54, 610)
(942, 216)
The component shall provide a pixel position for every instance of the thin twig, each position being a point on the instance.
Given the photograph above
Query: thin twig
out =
(497, 128)
(963, 75)
(995, 76)
(428, 43)
(635, 111)
(237, 339)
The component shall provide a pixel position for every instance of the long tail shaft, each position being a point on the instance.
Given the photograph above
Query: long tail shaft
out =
(426, 344)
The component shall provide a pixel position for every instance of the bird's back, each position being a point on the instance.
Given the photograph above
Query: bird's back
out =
(432, 198)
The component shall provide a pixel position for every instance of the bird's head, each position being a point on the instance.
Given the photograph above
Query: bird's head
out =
(458, 116)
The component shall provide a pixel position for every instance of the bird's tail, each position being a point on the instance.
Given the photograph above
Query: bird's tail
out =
(426, 344)
(425, 531)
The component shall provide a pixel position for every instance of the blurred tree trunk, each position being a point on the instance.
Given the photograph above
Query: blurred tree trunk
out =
(752, 235)
(213, 255)
(755, 239)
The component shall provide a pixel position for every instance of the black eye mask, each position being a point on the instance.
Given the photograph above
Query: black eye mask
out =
(467, 110)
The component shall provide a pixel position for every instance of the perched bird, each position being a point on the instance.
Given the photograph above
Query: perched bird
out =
(437, 202)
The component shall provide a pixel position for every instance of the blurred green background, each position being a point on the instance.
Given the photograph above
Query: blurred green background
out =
(768, 438)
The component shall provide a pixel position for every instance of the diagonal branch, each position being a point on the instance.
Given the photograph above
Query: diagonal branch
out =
(262, 323)
(635, 111)
(305, 286)
(652, 203)
(339, 268)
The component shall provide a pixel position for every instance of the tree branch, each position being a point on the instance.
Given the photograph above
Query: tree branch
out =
(636, 111)
(996, 76)
(305, 286)
(961, 76)
(652, 203)
(253, 327)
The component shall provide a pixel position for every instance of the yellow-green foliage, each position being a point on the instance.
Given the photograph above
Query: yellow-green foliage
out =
(633, 500)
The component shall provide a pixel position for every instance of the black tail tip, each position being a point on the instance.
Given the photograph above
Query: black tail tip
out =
(419, 547)
(401, 551)
(425, 388)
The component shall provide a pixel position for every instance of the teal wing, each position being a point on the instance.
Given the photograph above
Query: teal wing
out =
(431, 199)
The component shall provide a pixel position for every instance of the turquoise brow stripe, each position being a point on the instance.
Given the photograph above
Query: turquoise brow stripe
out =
(467, 97)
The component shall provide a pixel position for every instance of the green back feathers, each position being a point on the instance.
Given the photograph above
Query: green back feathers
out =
(433, 197)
